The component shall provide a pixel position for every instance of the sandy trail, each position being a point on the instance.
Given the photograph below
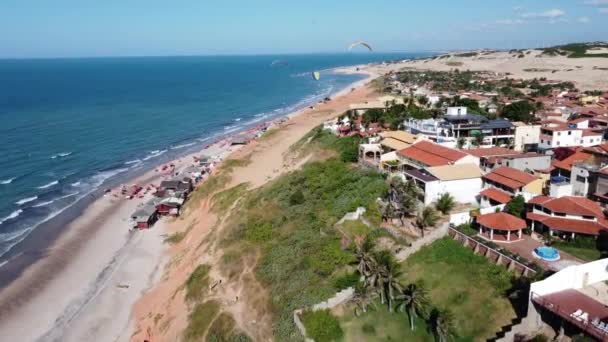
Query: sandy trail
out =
(269, 158)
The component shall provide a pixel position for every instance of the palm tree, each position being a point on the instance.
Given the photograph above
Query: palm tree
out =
(427, 218)
(409, 205)
(363, 299)
(441, 324)
(391, 269)
(415, 301)
(460, 143)
(410, 188)
(365, 257)
(445, 203)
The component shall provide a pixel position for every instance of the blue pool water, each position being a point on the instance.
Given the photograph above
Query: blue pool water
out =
(547, 253)
(68, 125)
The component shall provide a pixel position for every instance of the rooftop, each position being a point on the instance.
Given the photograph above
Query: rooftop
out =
(510, 177)
(496, 195)
(491, 152)
(455, 172)
(501, 221)
(567, 163)
(431, 154)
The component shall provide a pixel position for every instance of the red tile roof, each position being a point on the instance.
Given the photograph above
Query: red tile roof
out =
(496, 195)
(567, 225)
(567, 163)
(501, 221)
(510, 177)
(431, 154)
(574, 206)
(539, 199)
(491, 152)
(590, 132)
(599, 149)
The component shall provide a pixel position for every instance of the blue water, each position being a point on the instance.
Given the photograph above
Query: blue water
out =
(68, 125)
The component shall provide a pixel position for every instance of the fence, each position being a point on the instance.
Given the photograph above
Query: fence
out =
(492, 254)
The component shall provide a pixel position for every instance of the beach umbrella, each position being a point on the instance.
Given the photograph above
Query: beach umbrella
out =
(316, 75)
(362, 43)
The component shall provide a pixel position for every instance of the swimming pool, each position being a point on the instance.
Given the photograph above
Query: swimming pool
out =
(546, 253)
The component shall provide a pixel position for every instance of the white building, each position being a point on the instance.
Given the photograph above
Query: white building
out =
(461, 181)
(456, 111)
(526, 136)
(556, 135)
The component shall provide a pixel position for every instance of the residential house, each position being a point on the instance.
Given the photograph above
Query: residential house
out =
(513, 181)
(555, 135)
(427, 154)
(488, 157)
(461, 181)
(566, 216)
(526, 137)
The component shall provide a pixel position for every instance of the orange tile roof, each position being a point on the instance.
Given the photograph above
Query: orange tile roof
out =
(491, 152)
(501, 221)
(496, 195)
(567, 225)
(599, 149)
(590, 132)
(510, 177)
(540, 199)
(574, 206)
(431, 154)
(567, 163)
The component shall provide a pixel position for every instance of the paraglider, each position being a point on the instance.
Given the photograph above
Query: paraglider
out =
(279, 62)
(355, 44)
(316, 75)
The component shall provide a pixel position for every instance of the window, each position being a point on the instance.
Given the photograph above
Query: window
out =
(560, 214)
(569, 132)
(588, 217)
(558, 143)
(559, 133)
(581, 179)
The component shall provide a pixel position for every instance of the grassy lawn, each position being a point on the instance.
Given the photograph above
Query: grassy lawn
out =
(583, 253)
(381, 325)
(457, 279)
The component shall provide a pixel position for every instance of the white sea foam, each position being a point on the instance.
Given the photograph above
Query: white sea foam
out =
(43, 204)
(182, 146)
(134, 161)
(61, 155)
(26, 200)
(48, 185)
(237, 119)
(11, 216)
(75, 183)
(7, 181)
(154, 154)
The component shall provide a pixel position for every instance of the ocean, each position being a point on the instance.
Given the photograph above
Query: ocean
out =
(71, 125)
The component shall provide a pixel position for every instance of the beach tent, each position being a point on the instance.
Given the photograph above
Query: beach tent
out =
(316, 75)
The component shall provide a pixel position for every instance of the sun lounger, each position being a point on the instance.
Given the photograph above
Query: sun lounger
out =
(576, 314)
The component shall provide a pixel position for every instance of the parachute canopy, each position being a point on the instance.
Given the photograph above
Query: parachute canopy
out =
(355, 44)
(279, 62)
(316, 75)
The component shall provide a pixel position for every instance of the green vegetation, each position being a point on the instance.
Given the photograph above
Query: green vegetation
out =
(292, 222)
(517, 206)
(223, 330)
(347, 280)
(445, 203)
(322, 326)
(223, 200)
(197, 283)
(519, 111)
(577, 50)
(453, 63)
(439, 276)
(210, 186)
(582, 247)
(346, 147)
(448, 270)
(200, 319)
(354, 229)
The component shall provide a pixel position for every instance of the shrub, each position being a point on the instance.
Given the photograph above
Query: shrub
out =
(517, 206)
(200, 319)
(322, 326)
(197, 282)
(445, 203)
(347, 280)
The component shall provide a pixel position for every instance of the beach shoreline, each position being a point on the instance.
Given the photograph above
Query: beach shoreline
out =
(90, 252)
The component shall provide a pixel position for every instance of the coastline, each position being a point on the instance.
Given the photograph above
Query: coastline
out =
(81, 268)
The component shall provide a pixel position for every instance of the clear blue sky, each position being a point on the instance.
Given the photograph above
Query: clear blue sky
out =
(73, 28)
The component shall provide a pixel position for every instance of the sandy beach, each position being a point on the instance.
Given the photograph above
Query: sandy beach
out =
(85, 286)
